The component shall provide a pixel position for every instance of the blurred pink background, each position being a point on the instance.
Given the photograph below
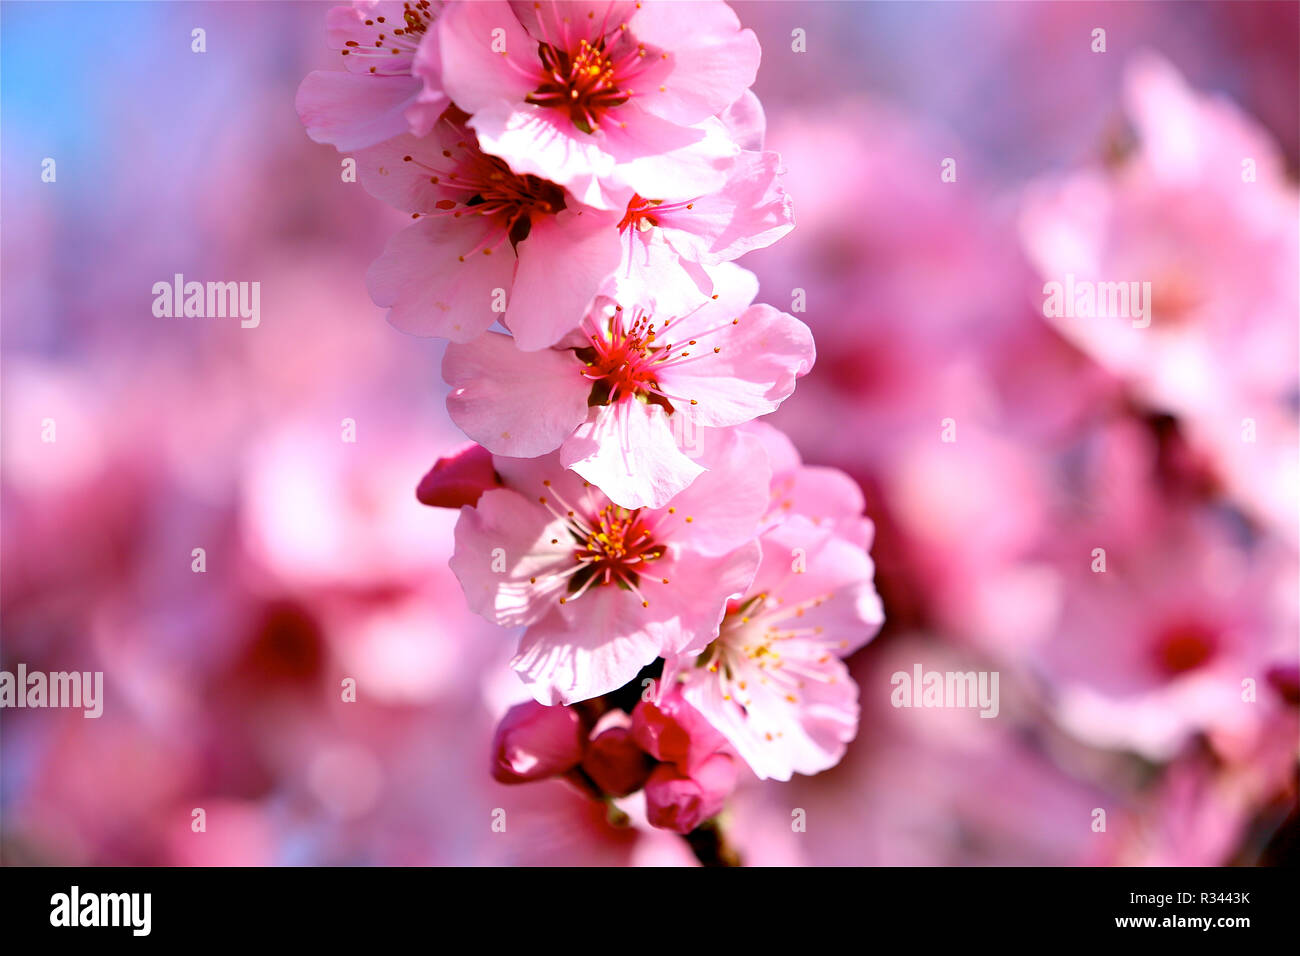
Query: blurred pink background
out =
(1119, 691)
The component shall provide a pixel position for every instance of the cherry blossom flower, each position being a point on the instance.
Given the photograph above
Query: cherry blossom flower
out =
(626, 397)
(484, 235)
(774, 683)
(603, 590)
(392, 83)
(660, 237)
(605, 98)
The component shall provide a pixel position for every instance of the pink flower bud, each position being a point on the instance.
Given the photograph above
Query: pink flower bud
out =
(616, 764)
(675, 732)
(534, 742)
(458, 478)
(674, 801)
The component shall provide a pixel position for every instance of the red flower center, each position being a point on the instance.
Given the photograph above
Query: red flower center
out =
(1184, 647)
(621, 363)
(583, 82)
(472, 182)
(612, 546)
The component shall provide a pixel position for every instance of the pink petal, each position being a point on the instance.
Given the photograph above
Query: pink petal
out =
(714, 60)
(354, 110)
(598, 642)
(521, 404)
(652, 272)
(821, 494)
(563, 661)
(502, 544)
(778, 738)
(628, 450)
(781, 453)
(572, 20)
(699, 588)
(473, 74)
(543, 142)
(432, 101)
(727, 502)
(746, 122)
(659, 158)
(745, 364)
(562, 265)
(387, 176)
(750, 212)
(802, 562)
(426, 287)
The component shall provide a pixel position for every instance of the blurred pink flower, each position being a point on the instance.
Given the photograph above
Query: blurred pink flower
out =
(1203, 214)
(1156, 645)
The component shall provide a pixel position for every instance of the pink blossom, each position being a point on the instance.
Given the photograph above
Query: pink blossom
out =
(484, 233)
(1153, 648)
(681, 802)
(534, 742)
(664, 236)
(392, 83)
(603, 590)
(605, 98)
(625, 397)
(774, 683)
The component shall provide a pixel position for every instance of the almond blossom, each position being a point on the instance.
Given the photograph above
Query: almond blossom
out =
(482, 228)
(774, 682)
(624, 397)
(603, 590)
(392, 83)
(662, 236)
(604, 98)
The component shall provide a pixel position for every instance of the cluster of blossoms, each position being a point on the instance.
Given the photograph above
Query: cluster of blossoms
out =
(582, 176)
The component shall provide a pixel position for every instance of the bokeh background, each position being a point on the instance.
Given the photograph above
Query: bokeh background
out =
(1119, 691)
